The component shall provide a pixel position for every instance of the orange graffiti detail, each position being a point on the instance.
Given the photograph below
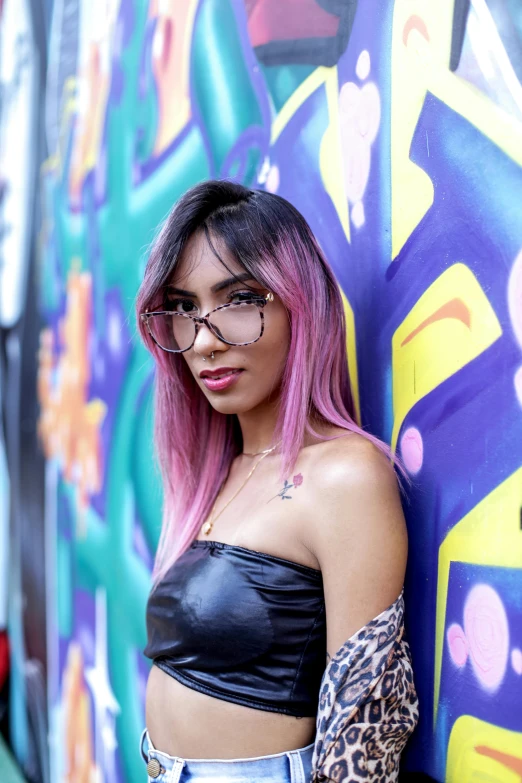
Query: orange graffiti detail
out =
(80, 764)
(506, 759)
(69, 424)
(453, 309)
(414, 23)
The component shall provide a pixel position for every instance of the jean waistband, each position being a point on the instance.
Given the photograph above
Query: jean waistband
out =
(145, 735)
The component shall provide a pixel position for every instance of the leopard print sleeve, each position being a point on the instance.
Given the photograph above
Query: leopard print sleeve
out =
(368, 705)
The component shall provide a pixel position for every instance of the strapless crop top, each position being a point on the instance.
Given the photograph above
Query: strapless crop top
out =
(241, 625)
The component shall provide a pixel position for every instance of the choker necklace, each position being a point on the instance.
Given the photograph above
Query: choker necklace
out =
(255, 453)
(207, 526)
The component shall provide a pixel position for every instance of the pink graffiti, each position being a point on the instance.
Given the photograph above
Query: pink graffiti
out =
(515, 314)
(362, 69)
(516, 660)
(358, 216)
(487, 635)
(272, 180)
(412, 450)
(359, 116)
(458, 645)
(518, 384)
(515, 297)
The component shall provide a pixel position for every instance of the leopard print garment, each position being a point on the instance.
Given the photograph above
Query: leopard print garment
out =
(368, 705)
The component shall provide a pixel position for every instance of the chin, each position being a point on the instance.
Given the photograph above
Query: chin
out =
(231, 406)
(232, 403)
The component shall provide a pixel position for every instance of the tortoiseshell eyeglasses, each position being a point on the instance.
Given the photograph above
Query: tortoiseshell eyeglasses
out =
(234, 323)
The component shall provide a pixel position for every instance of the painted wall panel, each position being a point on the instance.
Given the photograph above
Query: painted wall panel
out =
(395, 126)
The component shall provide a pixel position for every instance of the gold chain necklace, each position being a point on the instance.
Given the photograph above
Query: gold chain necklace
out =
(255, 453)
(207, 526)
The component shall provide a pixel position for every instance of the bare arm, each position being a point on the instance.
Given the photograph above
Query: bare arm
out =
(356, 530)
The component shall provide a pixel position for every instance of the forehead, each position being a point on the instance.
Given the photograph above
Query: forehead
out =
(199, 264)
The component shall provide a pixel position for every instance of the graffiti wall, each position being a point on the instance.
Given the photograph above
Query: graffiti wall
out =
(23, 671)
(395, 126)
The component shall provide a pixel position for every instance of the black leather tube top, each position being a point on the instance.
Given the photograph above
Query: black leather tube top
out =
(241, 625)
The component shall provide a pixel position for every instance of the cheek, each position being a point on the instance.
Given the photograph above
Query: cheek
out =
(276, 345)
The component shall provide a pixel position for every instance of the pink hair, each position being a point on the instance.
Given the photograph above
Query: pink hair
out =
(196, 444)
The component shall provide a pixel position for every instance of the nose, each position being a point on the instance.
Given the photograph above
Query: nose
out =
(206, 341)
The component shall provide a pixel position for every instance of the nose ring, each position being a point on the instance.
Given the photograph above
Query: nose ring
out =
(211, 356)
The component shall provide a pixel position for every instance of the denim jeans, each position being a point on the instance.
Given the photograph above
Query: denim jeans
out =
(291, 766)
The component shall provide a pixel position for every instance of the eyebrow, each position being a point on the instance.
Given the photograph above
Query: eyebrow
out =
(243, 277)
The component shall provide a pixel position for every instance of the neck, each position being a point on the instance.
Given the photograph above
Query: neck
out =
(257, 427)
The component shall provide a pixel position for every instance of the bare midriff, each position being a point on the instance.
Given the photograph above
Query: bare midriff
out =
(184, 722)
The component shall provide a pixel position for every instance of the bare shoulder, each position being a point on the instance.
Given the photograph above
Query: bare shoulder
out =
(356, 530)
(352, 490)
(350, 465)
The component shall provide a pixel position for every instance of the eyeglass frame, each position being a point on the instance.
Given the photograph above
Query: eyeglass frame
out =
(259, 301)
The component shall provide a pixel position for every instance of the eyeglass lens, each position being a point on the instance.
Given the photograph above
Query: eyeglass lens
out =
(237, 324)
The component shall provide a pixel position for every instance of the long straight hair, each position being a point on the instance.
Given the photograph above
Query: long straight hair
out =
(196, 444)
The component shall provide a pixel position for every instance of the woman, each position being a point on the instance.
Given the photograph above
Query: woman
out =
(254, 598)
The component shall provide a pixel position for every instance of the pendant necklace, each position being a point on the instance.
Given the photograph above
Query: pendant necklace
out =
(207, 526)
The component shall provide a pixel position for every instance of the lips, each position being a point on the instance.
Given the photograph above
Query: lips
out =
(220, 379)
(217, 373)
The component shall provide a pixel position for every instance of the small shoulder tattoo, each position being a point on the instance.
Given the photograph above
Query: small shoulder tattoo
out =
(297, 481)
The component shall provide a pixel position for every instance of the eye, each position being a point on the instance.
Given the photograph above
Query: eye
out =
(245, 296)
(180, 305)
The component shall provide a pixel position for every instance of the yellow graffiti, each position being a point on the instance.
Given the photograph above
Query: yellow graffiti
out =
(94, 83)
(479, 751)
(488, 535)
(351, 350)
(54, 163)
(171, 52)
(312, 83)
(330, 151)
(331, 155)
(449, 326)
(420, 62)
